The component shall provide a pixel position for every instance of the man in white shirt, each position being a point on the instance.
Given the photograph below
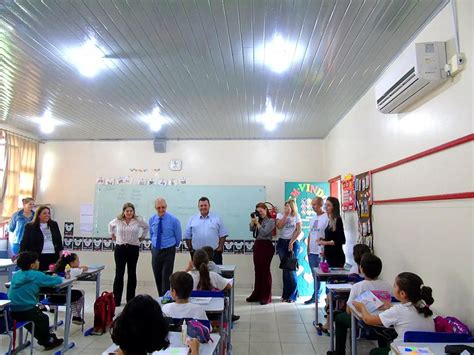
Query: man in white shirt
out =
(316, 231)
(206, 229)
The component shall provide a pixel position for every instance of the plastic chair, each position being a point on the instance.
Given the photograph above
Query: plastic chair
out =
(436, 337)
(10, 327)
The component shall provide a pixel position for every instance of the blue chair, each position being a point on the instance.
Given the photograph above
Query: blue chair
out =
(436, 337)
(9, 327)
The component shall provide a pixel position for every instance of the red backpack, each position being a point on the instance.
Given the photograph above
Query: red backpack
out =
(104, 311)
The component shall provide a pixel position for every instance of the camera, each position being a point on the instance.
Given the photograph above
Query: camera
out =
(255, 214)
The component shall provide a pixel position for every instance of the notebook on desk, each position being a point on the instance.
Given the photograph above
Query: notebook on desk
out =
(369, 300)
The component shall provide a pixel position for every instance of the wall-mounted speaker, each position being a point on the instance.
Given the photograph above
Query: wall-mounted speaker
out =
(159, 145)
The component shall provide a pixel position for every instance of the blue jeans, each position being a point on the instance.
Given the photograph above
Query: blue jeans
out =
(290, 289)
(314, 261)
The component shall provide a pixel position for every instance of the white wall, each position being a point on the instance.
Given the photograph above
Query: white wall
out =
(433, 239)
(68, 171)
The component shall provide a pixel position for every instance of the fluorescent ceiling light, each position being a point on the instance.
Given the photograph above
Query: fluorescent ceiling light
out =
(46, 122)
(279, 53)
(89, 58)
(270, 119)
(156, 119)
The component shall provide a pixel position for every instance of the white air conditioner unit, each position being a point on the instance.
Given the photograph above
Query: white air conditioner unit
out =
(415, 73)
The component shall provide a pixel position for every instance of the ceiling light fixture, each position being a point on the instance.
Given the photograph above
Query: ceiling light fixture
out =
(89, 58)
(156, 119)
(279, 54)
(270, 119)
(46, 122)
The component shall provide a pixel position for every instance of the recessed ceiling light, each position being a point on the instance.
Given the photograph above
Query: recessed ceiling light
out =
(270, 119)
(279, 53)
(89, 58)
(156, 119)
(46, 122)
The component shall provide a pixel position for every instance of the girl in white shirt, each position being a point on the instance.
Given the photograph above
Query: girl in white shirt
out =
(413, 313)
(77, 296)
(203, 279)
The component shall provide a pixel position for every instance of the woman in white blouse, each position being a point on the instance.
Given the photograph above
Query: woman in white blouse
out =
(127, 231)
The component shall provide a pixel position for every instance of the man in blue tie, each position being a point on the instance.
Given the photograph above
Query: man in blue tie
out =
(165, 232)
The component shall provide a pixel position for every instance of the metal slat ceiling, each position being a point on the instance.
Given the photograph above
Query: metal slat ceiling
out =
(199, 61)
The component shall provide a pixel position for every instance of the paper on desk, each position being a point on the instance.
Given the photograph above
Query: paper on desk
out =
(369, 300)
(201, 300)
(413, 350)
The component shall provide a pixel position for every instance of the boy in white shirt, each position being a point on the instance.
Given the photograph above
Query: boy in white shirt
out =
(371, 267)
(181, 284)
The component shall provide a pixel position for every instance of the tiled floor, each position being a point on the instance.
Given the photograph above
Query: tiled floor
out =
(277, 328)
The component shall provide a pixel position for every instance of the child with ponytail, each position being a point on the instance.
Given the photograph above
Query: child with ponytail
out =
(203, 279)
(77, 296)
(413, 313)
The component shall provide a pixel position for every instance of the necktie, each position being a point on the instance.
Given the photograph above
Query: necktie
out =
(159, 233)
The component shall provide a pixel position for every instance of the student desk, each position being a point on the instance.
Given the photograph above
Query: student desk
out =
(176, 345)
(436, 348)
(355, 316)
(333, 289)
(215, 306)
(93, 274)
(66, 284)
(339, 273)
(7, 266)
(228, 271)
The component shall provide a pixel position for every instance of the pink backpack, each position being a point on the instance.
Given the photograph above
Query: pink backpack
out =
(451, 325)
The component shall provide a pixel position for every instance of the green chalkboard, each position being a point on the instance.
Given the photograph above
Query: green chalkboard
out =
(232, 203)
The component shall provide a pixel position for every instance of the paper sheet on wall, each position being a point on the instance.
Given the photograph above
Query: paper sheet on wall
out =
(86, 219)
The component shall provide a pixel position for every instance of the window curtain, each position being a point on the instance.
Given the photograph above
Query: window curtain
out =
(19, 180)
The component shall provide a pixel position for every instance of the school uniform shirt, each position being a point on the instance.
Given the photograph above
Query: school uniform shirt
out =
(290, 225)
(184, 310)
(404, 317)
(317, 226)
(217, 281)
(205, 231)
(366, 285)
(128, 233)
(171, 232)
(48, 246)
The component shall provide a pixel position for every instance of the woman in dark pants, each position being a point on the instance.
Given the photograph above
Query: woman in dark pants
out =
(334, 237)
(43, 237)
(289, 224)
(127, 230)
(262, 227)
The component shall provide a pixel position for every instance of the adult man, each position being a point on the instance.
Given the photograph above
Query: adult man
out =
(316, 231)
(165, 233)
(206, 229)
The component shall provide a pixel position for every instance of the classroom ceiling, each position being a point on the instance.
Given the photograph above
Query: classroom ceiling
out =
(207, 64)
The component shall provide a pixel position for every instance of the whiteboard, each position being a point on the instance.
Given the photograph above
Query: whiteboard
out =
(232, 203)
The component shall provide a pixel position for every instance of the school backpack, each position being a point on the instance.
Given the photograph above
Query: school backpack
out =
(197, 330)
(104, 311)
(451, 325)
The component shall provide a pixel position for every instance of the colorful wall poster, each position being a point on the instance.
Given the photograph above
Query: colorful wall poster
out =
(363, 193)
(303, 193)
(348, 193)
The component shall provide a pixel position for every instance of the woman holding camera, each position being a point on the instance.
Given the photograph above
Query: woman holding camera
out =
(262, 227)
(289, 224)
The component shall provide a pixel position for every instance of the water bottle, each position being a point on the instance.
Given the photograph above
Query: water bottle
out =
(67, 272)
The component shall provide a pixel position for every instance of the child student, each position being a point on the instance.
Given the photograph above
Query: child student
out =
(181, 287)
(142, 329)
(203, 279)
(357, 252)
(413, 313)
(23, 294)
(371, 267)
(212, 266)
(77, 296)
